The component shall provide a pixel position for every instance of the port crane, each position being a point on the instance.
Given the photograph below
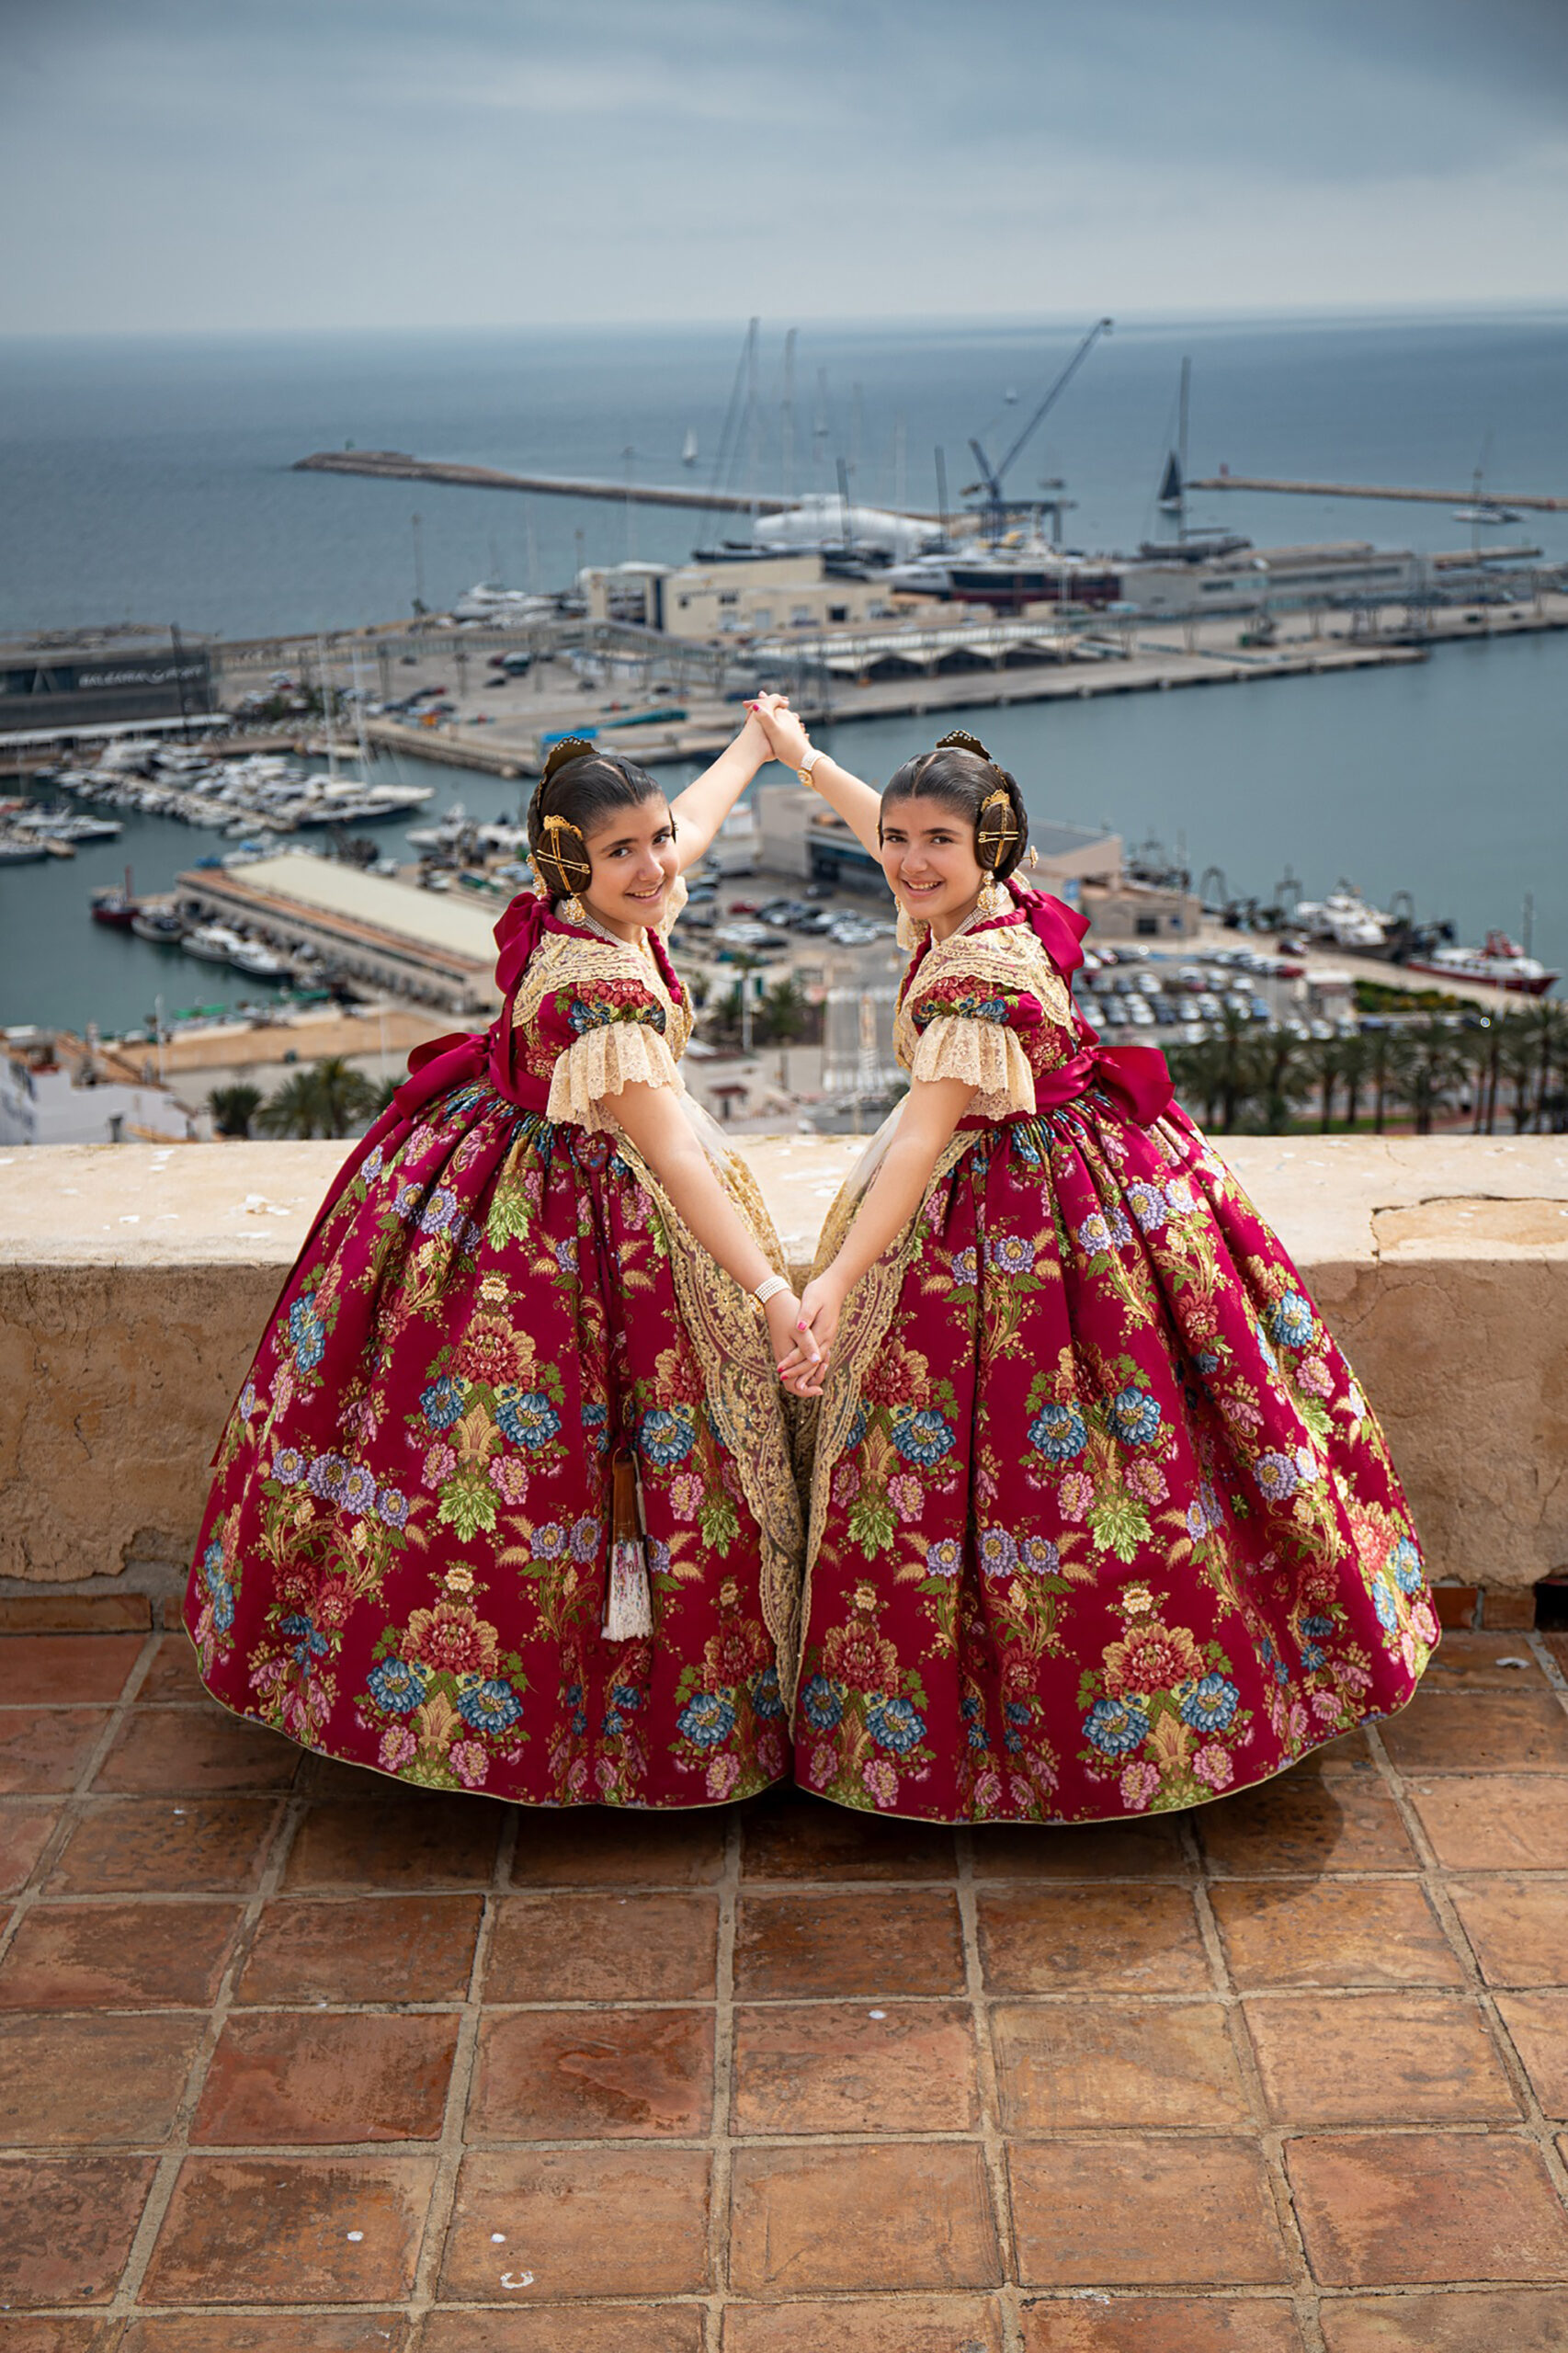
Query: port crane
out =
(997, 507)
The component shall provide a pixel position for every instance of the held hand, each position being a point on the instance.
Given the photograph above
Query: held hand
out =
(783, 1314)
(815, 1329)
(786, 736)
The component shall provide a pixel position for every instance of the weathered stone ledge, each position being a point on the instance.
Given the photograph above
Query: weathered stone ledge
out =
(134, 1282)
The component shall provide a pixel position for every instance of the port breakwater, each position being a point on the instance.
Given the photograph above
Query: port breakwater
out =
(396, 465)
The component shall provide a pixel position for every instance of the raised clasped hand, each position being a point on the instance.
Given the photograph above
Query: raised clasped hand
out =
(786, 733)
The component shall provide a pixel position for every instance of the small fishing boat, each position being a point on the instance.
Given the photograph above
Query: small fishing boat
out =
(117, 905)
(1500, 964)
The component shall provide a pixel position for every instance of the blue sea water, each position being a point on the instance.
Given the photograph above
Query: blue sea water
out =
(151, 481)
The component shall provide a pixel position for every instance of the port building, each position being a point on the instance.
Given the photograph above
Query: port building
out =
(85, 681)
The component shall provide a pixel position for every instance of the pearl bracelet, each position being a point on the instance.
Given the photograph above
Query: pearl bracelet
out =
(770, 1287)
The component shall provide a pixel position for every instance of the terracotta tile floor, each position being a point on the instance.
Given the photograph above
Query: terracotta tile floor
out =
(293, 2059)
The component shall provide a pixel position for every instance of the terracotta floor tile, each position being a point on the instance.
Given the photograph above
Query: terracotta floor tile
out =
(167, 1847)
(1104, 1939)
(603, 1948)
(50, 2333)
(284, 2076)
(566, 2328)
(1136, 1850)
(24, 1833)
(69, 2224)
(69, 2081)
(196, 1751)
(118, 1956)
(1517, 1929)
(277, 2229)
(1470, 1662)
(788, 1836)
(866, 2325)
(593, 2075)
(1135, 2213)
(269, 2333)
(366, 1948)
(172, 1678)
(842, 2067)
(1333, 1932)
(590, 1846)
(886, 1942)
(1453, 2321)
(1337, 1822)
(1348, 1754)
(1537, 2026)
(71, 1669)
(1415, 2208)
(398, 1839)
(586, 2222)
(1496, 1822)
(1377, 2059)
(1479, 1732)
(1162, 2325)
(905, 2216)
(1062, 2066)
(45, 1748)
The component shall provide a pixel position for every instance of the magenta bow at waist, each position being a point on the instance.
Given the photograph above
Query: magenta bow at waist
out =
(1135, 1077)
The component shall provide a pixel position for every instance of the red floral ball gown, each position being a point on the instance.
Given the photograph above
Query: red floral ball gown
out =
(1100, 1521)
(405, 1561)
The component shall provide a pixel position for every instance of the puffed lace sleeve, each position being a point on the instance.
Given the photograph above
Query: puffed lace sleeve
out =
(613, 1035)
(967, 1028)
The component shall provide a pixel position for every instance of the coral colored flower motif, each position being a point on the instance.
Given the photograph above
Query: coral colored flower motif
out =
(666, 1437)
(526, 1416)
(945, 1557)
(893, 1723)
(1077, 1494)
(1058, 1432)
(1276, 1476)
(922, 1437)
(397, 1749)
(1314, 1375)
(1139, 1784)
(398, 1685)
(1213, 1765)
(1148, 1206)
(723, 1772)
(439, 1464)
(442, 1403)
(903, 1493)
(450, 1639)
(549, 1542)
(290, 1467)
(1011, 1253)
(1134, 1416)
(1209, 1705)
(470, 1763)
(999, 1554)
(846, 1483)
(1151, 1657)
(821, 1704)
(1040, 1556)
(965, 1269)
(1291, 1322)
(765, 1695)
(1113, 1726)
(685, 1495)
(708, 1719)
(508, 1478)
(880, 1780)
(490, 1706)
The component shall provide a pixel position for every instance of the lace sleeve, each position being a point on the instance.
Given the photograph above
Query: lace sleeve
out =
(985, 1055)
(600, 1063)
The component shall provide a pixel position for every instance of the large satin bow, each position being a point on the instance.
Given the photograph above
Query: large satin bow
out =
(1135, 1075)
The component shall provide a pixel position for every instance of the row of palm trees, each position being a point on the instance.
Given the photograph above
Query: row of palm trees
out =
(1512, 1071)
(330, 1098)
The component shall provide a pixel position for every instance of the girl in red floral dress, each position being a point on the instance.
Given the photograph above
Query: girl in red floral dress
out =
(505, 1503)
(1100, 1522)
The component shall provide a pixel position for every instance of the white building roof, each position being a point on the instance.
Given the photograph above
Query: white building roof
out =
(444, 920)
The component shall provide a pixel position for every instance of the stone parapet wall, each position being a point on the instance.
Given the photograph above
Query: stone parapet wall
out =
(134, 1283)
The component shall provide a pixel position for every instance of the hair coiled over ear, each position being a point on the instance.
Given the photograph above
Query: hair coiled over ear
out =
(962, 775)
(579, 788)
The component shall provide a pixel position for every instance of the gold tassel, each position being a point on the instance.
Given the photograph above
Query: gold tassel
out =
(628, 1612)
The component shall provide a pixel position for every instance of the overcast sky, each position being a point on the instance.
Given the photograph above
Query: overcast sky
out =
(305, 163)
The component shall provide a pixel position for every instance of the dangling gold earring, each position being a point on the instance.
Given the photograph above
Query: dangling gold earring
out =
(992, 899)
(573, 911)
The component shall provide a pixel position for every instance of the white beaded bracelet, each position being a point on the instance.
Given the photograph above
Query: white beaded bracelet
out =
(770, 1287)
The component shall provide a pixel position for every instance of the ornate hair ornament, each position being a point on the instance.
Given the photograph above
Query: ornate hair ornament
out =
(563, 857)
(562, 755)
(960, 740)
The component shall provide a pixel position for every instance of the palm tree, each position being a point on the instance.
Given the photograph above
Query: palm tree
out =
(1481, 1050)
(1429, 1067)
(292, 1111)
(1236, 1081)
(233, 1107)
(1282, 1078)
(1196, 1072)
(1382, 1058)
(1323, 1060)
(1518, 1061)
(784, 1011)
(329, 1100)
(1352, 1061)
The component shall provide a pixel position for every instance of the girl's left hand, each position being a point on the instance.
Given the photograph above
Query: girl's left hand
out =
(821, 1304)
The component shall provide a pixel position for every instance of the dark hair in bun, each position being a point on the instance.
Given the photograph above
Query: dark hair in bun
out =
(580, 787)
(961, 775)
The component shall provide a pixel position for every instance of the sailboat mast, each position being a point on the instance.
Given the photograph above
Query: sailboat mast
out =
(786, 421)
(1181, 449)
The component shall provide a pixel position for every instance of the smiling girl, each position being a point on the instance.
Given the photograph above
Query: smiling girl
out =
(1100, 1522)
(505, 1503)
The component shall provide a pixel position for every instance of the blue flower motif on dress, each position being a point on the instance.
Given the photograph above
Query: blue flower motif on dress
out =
(612, 1724)
(1134, 1416)
(393, 1507)
(858, 1428)
(596, 1421)
(440, 1211)
(290, 1467)
(1385, 1601)
(708, 1719)
(220, 1593)
(489, 1706)
(999, 1554)
(765, 1695)
(1209, 1705)
(1011, 1253)
(328, 1477)
(965, 1269)
(1277, 1477)
(1113, 1726)
(307, 1333)
(821, 1704)
(442, 1403)
(944, 1558)
(1040, 1556)
(1318, 1628)
(398, 1685)
(1312, 1657)
(360, 1489)
(1292, 1321)
(1058, 1432)
(666, 1437)
(1206, 1363)
(893, 1723)
(583, 1540)
(626, 1697)
(1405, 1566)
(526, 1416)
(922, 1437)
(309, 1644)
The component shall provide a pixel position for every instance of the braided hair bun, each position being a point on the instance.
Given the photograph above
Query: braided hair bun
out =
(961, 775)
